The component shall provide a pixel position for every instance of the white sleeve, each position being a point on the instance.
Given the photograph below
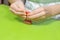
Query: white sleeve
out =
(55, 3)
(31, 5)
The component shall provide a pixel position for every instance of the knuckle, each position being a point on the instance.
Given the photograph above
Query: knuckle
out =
(11, 5)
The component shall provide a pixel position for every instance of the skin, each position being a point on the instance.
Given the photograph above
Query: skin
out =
(18, 8)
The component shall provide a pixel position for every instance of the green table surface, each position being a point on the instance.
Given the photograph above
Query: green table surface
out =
(12, 28)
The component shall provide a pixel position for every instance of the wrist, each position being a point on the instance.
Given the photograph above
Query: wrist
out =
(48, 12)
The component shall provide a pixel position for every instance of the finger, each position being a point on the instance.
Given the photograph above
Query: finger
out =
(20, 5)
(39, 19)
(38, 10)
(13, 6)
(37, 15)
(17, 13)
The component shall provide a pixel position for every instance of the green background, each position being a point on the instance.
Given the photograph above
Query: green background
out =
(12, 28)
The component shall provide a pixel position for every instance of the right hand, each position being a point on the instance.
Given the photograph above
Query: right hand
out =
(18, 8)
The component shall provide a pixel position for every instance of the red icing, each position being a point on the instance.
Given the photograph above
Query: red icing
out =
(27, 12)
(26, 20)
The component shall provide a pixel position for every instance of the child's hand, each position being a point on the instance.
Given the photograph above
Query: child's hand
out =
(18, 8)
(38, 14)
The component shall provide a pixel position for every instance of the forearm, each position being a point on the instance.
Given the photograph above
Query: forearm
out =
(53, 10)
